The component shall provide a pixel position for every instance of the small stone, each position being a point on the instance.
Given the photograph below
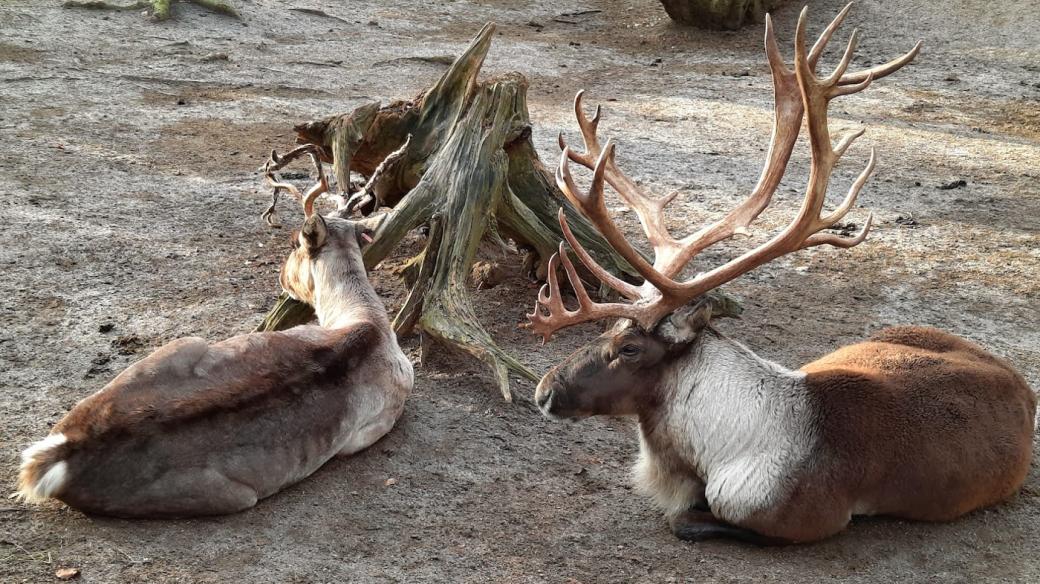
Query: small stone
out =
(67, 573)
(390, 482)
(956, 184)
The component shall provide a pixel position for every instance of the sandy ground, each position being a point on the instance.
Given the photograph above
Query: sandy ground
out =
(131, 205)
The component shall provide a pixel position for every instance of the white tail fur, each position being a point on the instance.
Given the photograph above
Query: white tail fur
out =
(40, 475)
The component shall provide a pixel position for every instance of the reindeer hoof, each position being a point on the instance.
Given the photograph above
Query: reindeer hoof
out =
(702, 526)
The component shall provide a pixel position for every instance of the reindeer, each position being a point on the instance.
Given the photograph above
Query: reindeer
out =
(203, 429)
(913, 422)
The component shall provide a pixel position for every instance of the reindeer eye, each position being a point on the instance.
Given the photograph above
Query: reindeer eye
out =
(631, 350)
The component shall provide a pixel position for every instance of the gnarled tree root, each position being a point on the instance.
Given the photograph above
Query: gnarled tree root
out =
(160, 8)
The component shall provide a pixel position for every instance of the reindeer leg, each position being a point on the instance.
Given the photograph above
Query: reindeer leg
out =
(695, 525)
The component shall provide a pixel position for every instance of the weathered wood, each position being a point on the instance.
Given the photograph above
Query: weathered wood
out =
(160, 8)
(718, 14)
(472, 172)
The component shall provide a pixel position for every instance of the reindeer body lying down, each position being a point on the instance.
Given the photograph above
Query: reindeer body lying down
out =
(914, 422)
(200, 428)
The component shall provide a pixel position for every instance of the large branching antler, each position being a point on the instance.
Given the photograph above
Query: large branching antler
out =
(797, 93)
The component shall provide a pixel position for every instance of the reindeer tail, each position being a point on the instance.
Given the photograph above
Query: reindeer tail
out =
(44, 471)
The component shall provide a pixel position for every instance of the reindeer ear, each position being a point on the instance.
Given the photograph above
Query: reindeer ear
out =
(682, 325)
(314, 233)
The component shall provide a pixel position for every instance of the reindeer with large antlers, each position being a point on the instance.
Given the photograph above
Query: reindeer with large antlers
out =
(913, 422)
(203, 429)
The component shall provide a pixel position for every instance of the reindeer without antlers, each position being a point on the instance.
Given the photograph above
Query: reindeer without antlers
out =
(204, 429)
(913, 423)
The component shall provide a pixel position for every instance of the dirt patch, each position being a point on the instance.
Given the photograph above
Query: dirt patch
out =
(1016, 116)
(19, 54)
(187, 92)
(209, 145)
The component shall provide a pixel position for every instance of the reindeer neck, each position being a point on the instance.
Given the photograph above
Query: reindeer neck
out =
(722, 402)
(343, 295)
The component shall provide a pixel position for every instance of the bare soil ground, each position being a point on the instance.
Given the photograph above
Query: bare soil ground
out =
(130, 204)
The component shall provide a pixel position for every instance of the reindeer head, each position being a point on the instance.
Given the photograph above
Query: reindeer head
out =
(321, 241)
(618, 372)
(324, 247)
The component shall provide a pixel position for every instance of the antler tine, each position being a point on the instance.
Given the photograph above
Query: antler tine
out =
(846, 59)
(271, 177)
(787, 121)
(773, 56)
(885, 69)
(588, 127)
(798, 92)
(850, 198)
(270, 215)
(321, 187)
(276, 163)
(878, 71)
(647, 208)
(624, 288)
(584, 302)
(317, 165)
(821, 43)
(851, 88)
(278, 185)
(837, 240)
(803, 231)
(550, 298)
(593, 207)
(847, 141)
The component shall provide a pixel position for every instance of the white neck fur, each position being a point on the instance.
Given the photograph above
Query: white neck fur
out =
(738, 421)
(342, 293)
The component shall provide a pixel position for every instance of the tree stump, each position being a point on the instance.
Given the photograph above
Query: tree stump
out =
(160, 8)
(718, 14)
(470, 171)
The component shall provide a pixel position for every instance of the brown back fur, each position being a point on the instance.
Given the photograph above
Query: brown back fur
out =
(923, 424)
(190, 378)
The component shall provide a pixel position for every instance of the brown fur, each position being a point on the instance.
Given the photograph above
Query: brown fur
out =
(913, 423)
(252, 386)
(189, 379)
(926, 425)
